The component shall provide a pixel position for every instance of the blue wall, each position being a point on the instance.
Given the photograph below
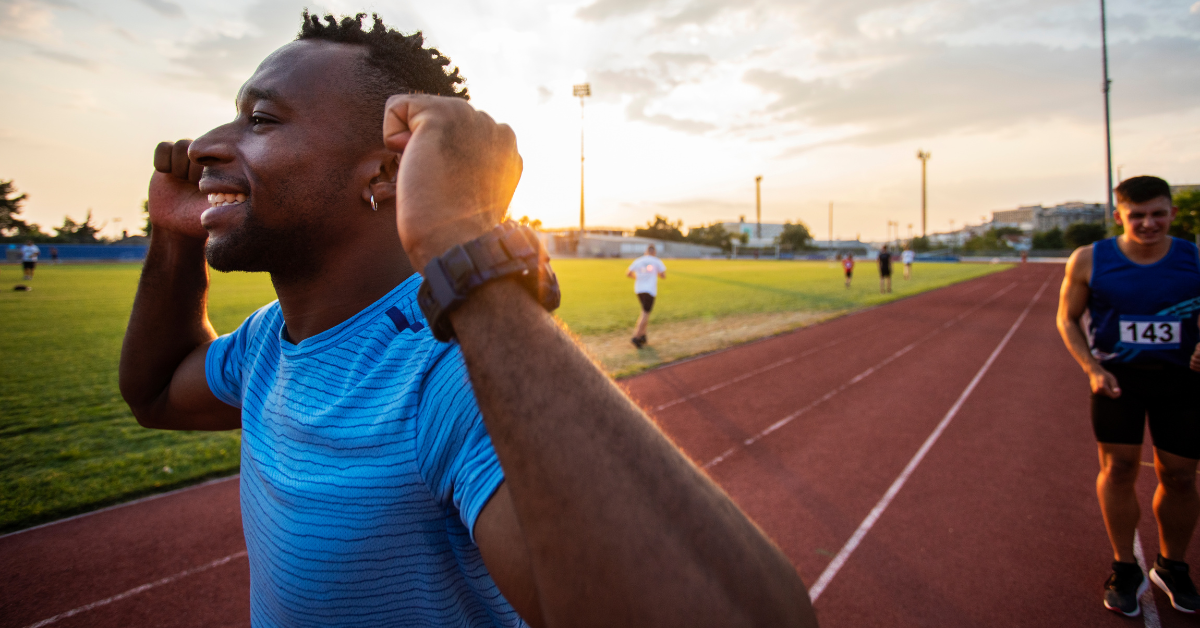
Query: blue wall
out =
(82, 252)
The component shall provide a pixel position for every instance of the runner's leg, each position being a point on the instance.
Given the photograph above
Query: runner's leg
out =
(1119, 465)
(641, 324)
(1176, 504)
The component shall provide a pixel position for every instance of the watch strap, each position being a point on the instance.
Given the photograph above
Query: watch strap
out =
(507, 251)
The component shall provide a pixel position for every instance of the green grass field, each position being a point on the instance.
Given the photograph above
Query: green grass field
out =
(68, 443)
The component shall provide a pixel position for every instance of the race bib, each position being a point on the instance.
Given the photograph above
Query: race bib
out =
(1150, 332)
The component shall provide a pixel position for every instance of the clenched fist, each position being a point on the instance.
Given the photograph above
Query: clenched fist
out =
(175, 199)
(458, 172)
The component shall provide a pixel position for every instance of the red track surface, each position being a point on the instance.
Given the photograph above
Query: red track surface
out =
(997, 525)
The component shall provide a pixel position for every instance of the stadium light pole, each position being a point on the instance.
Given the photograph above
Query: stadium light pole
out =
(1108, 195)
(582, 90)
(830, 224)
(924, 157)
(758, 207)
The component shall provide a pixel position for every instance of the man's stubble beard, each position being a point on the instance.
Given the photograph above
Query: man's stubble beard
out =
(287, 254)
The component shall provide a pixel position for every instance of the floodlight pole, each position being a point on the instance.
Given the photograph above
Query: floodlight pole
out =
(582, 90)
(1108, 195)
(924, 157)
(831, 224)
(758, 206)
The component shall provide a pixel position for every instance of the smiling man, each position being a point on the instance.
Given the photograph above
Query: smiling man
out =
(389, 478)
(1142, 292)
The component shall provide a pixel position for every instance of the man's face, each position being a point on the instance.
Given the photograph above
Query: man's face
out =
(280, 176)
(1146, 223)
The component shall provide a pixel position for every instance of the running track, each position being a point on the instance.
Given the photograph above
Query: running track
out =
(925, 463)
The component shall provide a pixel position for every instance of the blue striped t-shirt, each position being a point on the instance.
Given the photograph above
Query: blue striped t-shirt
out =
(365, 463)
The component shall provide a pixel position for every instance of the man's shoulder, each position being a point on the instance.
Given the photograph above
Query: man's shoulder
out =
(1079, 265)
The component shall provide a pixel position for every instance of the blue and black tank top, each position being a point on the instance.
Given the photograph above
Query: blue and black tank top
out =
(1144, 315)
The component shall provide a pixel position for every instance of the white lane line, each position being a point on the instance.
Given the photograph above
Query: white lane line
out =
(843, 555)
(856, 379)
(774, 365)
(134, 591)
(748, 375)
(1149, 606)
(123, 505)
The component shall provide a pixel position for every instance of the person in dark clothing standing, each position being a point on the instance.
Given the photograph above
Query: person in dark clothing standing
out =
(885, 270)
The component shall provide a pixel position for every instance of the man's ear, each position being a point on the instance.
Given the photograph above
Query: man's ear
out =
(383, 185)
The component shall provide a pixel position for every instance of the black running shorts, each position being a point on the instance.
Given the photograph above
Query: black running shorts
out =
(1167, 397)
(28, 265)
(647, 300)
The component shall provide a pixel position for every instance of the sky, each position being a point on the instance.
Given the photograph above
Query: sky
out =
(829, 101)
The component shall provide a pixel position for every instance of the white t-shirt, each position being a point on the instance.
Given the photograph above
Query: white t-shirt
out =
(646, 269)
(907, 257)
(29, 253)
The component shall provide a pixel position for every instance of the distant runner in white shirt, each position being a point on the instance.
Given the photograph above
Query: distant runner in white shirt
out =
(645, 271)
(29, 256)
(907, 257)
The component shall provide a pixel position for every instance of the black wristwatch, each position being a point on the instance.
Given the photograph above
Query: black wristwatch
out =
(508, 250)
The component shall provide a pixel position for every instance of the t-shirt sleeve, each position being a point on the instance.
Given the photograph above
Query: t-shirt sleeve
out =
(662, 268)
(454, 451)
(225, 360)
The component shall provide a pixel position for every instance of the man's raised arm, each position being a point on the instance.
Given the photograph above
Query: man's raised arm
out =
(162, 359)
(621, 528)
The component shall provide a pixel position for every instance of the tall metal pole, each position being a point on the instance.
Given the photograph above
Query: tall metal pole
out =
(830, 224)
(582, 91)
(758, 206)
(924, 157)
(1107, 121)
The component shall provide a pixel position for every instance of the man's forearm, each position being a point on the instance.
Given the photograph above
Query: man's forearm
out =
(169, 319)
(1073, 336)
(622, 529)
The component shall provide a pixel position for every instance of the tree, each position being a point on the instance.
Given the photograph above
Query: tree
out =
(991, 240)
(1083, 233)
(77, 232)
(711, 235)
(920, 244)
(1051, 240)
(795, 236)
(10, 207)
(662, 229)
(1187, 221)
(146, 212)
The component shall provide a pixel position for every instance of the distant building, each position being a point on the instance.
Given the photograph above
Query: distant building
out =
(770, 231)
(1036, 218)
(1022, 217)
(568, 243)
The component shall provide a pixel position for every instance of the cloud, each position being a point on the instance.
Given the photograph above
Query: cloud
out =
(219, 63)
(936, 89)
(165, 8)
(66, 58)
(606, 9)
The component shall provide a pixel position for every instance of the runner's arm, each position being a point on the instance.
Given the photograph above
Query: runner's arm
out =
(1195, 362)
(1072, 303)
(162, 375)
(621, 529)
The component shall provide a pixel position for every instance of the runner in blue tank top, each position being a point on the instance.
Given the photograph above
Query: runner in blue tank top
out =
(1141, 292)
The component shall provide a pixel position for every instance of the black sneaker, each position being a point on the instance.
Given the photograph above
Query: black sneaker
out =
(1172, 577)
(638, 341)
(1123, 588)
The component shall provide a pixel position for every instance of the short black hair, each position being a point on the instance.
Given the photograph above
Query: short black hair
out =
(395, 63)
(1142, 189)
